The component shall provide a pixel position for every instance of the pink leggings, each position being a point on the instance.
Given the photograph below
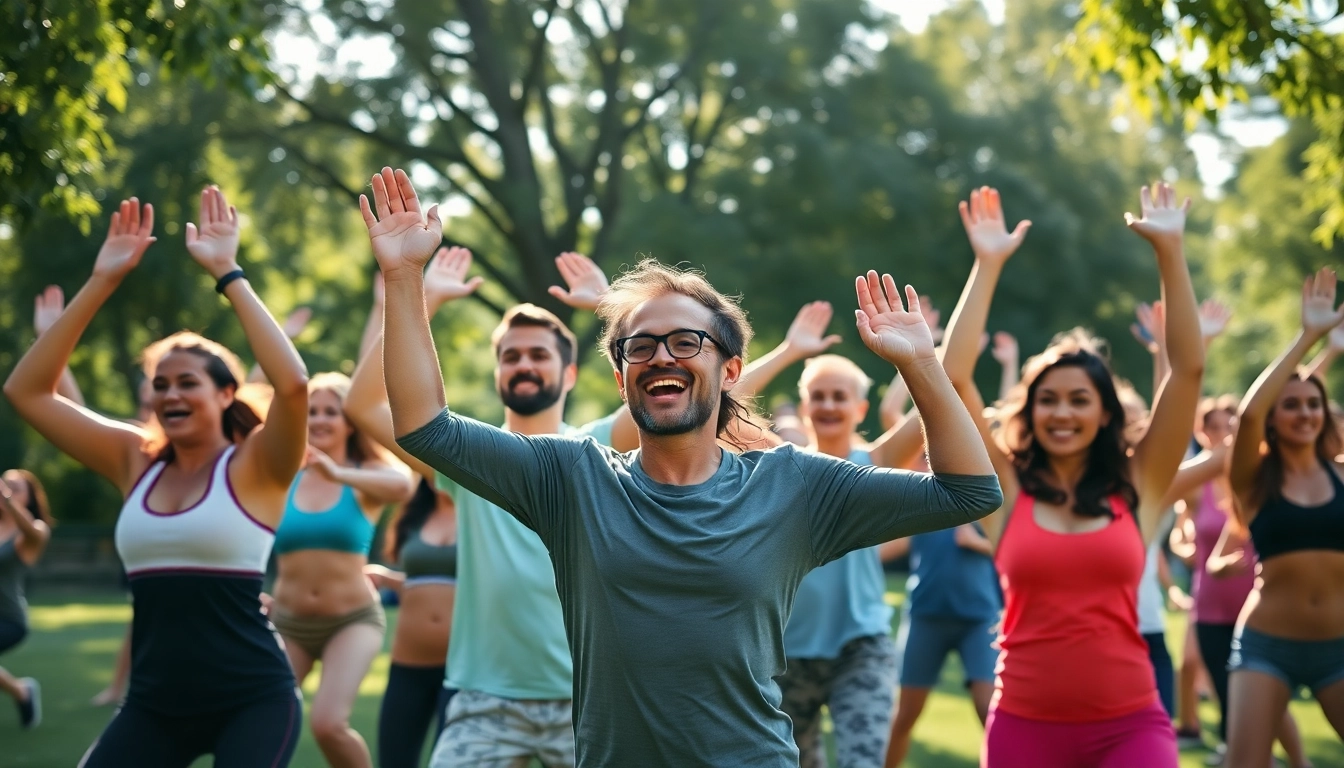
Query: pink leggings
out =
(1144, 738)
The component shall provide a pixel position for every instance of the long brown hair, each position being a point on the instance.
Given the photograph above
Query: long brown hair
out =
(224, 369)
(651, 279)
(38, 506)
(1107, 471)
(1267, 483)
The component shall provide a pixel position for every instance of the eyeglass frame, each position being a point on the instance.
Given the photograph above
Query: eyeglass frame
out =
(662, 339)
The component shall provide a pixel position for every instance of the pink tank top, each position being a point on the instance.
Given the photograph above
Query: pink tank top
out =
(1071, 648)
(1218, 600)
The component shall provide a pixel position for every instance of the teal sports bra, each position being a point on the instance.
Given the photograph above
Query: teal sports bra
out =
(342, 528)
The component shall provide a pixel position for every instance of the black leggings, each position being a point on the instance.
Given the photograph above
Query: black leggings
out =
(415, 696)
(1215, 647)
(260, 735)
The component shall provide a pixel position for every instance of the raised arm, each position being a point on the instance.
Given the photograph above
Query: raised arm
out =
(273, 453)
(1195, 472)
(48, 306)
(993, 245)
(403, 240)
(1319, 317)
(994, 522)
(366, 405)
(1150, 330)
(293, 327)
(110, 448)
(805, 338)
(902, 338)
(1160, 451)
(1334, 345)
(1007, 355)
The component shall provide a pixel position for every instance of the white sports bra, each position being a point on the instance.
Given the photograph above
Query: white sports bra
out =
(214, 535)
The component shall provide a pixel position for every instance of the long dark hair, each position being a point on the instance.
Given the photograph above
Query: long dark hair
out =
(410, 517)
(1107, 471)
(1268, 481)
(223, 368)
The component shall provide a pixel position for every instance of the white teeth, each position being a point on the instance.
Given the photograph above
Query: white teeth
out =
(665, 383)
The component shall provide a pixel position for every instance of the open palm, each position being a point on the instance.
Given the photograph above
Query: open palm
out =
(214, 243)
(402, 237)
(128, 235)
(446, 278)
(587, 284)
(1162, 221)
(1319, 315)
(47, 308)
(986, 228)
(898, 335)
(806, 333)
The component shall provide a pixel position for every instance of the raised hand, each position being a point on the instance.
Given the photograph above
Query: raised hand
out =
(1319, 315)
(1005, 348)
(986, 228)
(1213, 318)
(1151, 326)
(587, 284)
(47, 308)
(805, 332)
(402, 237)
(214, 244)
(898, 335)
(446, 278)
(128, 235)
(1161, 221)
(297, 321)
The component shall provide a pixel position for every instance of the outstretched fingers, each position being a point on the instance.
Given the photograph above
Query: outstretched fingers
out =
(395, 204)
(893, 295)
(867, 307)
(880, 299)
(911, 298)
(366, 212)
(410, 201)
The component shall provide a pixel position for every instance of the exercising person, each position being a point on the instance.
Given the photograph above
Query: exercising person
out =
(1288, 484)
(25, 529)
(204, 493)
(676, 563)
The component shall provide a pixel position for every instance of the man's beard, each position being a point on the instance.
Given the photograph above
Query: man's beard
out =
(529, 405)
(695, 416)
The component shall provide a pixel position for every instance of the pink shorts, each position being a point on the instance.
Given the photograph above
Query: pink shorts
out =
(1144, 738)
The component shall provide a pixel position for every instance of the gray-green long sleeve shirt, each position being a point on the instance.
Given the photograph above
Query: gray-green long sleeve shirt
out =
(675, 597)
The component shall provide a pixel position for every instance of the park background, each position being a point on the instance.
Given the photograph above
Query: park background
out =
(783, 146)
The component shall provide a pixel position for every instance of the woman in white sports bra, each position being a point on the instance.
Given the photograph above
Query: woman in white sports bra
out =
(204, 493)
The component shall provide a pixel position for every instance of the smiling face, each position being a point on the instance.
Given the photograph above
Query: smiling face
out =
(1299, 415)
(1216, 427)
(666, 395)
(328, 429)
(1067, 411)
(18, 488)
(530, 374)
(186, 401)
(832, 401)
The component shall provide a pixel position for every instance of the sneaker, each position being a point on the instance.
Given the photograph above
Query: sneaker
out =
(1191, 739)
(30, 711)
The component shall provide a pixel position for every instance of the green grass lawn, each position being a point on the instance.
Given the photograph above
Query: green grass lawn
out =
(73, 643)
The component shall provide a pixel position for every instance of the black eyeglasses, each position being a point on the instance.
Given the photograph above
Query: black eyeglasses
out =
(681, 344)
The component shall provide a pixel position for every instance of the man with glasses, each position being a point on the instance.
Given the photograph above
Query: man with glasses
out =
(677, 563)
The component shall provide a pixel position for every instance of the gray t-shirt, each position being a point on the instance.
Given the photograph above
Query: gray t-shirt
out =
(675, 597)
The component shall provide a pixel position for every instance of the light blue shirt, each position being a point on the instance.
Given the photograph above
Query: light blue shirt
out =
(508, 628)
(838, 602)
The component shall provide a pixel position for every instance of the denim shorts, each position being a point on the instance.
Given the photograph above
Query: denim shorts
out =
(923, 643)
(1313, 663)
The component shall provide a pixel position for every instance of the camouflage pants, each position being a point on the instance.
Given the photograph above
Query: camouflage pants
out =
(485, 731)
(858, 688)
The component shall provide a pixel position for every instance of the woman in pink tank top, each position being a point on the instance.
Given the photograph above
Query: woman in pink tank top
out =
(1075, 688)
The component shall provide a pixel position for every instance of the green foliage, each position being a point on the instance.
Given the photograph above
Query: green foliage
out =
(1204, 54)
(66, 64)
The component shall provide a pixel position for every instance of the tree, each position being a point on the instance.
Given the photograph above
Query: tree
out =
(64, 64)
(1205, 54)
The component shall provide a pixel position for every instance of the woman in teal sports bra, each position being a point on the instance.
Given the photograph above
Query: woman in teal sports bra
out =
(324, 606)
(422, 540)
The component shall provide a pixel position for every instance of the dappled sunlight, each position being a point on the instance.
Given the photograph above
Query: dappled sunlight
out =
(51, 618)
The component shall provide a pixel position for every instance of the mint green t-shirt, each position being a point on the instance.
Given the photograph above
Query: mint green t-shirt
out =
(508, 627)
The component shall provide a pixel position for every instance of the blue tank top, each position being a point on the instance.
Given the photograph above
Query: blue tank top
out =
(950, 581)
(841, 601)
(342, 528)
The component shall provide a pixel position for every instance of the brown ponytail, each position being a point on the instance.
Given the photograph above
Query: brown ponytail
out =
(223, 368)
